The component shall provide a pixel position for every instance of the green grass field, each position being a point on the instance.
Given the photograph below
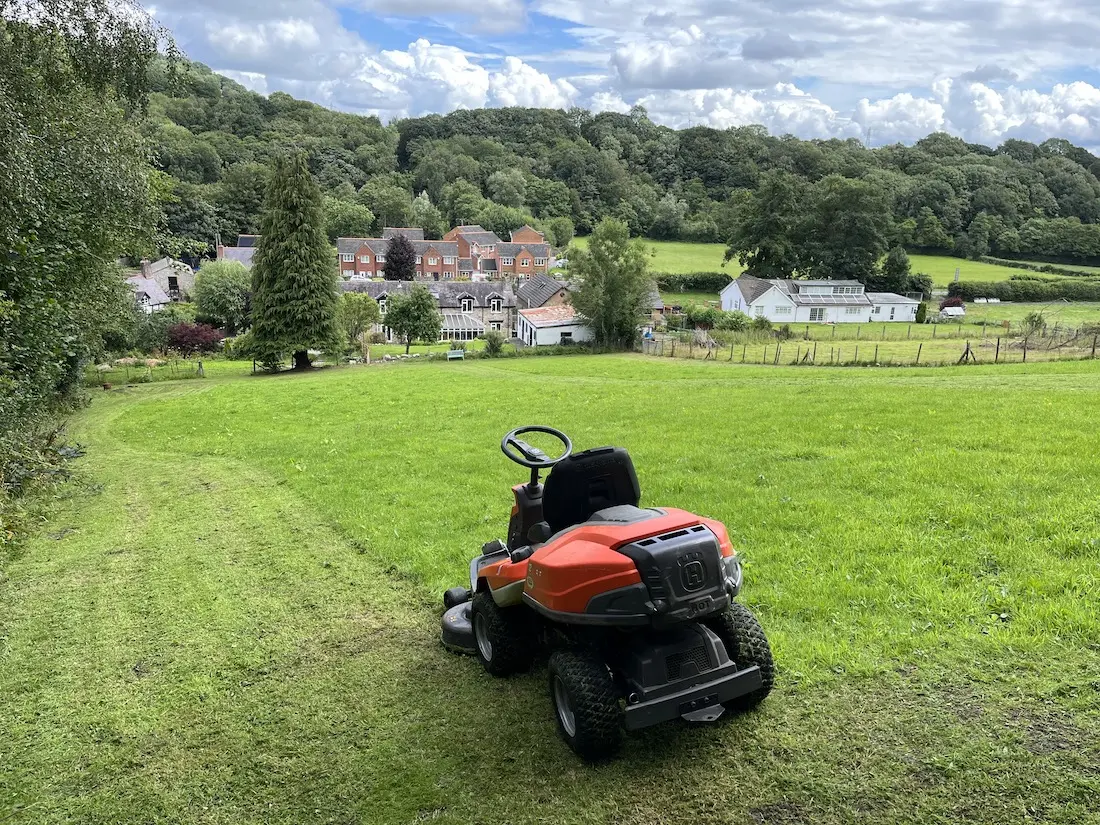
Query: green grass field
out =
(678, 257)
(233, 617)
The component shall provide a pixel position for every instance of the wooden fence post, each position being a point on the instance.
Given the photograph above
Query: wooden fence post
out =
(935, 329)
(731, 351)
(764, 360)
(856, 356)
(1094, 346)
(673, 353)
(908, 333)
(778, 352)
(876, 353)
(997, 357)
(834, 330)
(859, 328)
(919, 348)
(807, 333)
(744, 352)
(1025, 350)
(813, 359)
(798, 352)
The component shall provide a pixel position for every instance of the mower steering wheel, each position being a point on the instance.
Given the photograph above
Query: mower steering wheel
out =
(526, 455)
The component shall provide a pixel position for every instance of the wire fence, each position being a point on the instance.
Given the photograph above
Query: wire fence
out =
(1071, 344)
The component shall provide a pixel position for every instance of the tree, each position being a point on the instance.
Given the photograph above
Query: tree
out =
(400, 260)
(846, 226)
(462, 202)
(507, 187)
(612, 286)
(668, 223)
(494, 343)
(294, 275)
(767, 231)
(930, 232)
(223, 294)
(358, 312)
(346, 219)
(391, 204)
(239, 199)
(896, 271)
(428, 217)
(502, 219)
(559, 232)
(414, 317)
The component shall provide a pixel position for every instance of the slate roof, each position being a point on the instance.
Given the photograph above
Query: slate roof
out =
(413, 233)
(890, 298)
(511, 250)
(465, 264)
(538, 289)
(560, 316)
(240, 254)
(528, 228)
(446, 293)
(379, 246)
(150, 288)
(481, 238)
(752, 288)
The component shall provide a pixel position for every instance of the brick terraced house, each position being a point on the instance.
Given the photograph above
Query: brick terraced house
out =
(362, 259)
(469, 310)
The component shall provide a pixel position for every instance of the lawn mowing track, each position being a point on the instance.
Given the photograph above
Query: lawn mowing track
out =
(233, 618)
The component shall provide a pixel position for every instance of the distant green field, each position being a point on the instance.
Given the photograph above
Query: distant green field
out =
(677, 257)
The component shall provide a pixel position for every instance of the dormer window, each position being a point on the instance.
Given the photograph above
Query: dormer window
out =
(466, 304)
(495, 304)
(382, 304)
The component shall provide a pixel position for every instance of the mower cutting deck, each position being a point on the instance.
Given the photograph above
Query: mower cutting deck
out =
(634, 606)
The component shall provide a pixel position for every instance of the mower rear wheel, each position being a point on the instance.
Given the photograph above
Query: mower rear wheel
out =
(746, 645)
(586, 704)
(503, 636)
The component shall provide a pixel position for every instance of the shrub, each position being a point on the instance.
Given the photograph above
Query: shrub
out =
(761, 324)
(951, 302)
(152, 329)
(922, 312)
(191, 339)
(377, 338)
(458, 345)
(494, 343)
(702, 317)
(735, 321)
(1029, 289)
(1034, 322)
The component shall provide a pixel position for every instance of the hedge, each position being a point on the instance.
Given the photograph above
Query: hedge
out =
(1028, 290)
(1048, 268)
(692, 282)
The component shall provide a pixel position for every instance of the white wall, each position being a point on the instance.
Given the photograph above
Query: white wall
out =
(901, 312)
(834, 315)
(548, 336)
(731, 298)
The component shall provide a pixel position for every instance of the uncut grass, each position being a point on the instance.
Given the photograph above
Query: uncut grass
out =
(234, 618)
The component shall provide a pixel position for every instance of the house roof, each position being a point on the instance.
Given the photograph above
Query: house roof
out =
(752, 288)
(166, 265)
(379, 246)
(461, 322)
(511, 250)
(488, 264)
(559, 316)
(446, 293)
(470, 227)
(527, 228)
(538, 289)
(953, 312)
(247, 240)
(890, 298)
(150, 289)
(481, 238)
(413, 233)
(465, 264)
(240, 254)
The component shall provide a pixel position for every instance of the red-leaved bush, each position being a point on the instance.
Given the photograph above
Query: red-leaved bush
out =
(953, 301)
(191, 339)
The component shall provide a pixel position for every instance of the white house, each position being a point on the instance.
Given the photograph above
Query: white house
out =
(148, 294)
(545, 326)
(815, 302)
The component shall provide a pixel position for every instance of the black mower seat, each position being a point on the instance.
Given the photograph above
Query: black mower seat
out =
(586, 483)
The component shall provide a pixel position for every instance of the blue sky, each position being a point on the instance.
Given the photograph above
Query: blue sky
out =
(984, 69)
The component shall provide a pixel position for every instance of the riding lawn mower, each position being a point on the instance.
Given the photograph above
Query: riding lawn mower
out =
(634, 606)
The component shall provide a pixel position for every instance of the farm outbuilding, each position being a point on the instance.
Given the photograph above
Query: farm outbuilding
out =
(546, 326)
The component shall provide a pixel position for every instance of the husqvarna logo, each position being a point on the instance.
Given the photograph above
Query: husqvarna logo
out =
(692, 574)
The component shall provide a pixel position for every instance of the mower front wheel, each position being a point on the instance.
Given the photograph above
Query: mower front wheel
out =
(586, 704)
(503, 636)
(746, 645)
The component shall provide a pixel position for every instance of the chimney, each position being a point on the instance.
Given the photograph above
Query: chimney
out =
(145, 265)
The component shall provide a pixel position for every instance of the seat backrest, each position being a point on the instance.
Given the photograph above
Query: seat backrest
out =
(586, 482)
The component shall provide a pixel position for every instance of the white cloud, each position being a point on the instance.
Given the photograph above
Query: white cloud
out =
(518, 84)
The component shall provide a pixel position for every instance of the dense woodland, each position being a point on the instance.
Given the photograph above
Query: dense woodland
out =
(215, 141)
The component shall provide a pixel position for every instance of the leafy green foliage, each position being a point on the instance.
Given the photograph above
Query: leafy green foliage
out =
(346, 219)
(559, 232)
(494, 342)
(358, 312)
(1029, 289)
(223, 294)
(414, 317)
(400, 262)
(428, 217)
(612, 285)
(294, 274)
(922, 312)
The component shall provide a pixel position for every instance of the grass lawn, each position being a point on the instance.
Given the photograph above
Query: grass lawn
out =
(679, 257)
(233, 617)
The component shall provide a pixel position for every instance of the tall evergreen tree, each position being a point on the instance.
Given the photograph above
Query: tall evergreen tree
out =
(294, 297)
(400, 260)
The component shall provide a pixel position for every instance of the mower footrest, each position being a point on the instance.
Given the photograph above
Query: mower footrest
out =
(672, 703)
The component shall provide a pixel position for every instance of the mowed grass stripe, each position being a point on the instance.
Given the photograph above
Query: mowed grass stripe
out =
(241, 626)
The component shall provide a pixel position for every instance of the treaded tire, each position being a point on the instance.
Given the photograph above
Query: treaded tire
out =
(746, 645)
(508, 632)
(592, 704)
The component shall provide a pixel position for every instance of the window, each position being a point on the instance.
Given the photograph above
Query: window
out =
(876, 310)
(495, 304)
(380, 259)
(348, 259)
(448, 260)
(364, 259)
(494, 325)
(567, 338)
(419, 259)
(782, 310)
(817, 314)
(507, 261)
(891, 313)
(851, 310)
(526, 262)
(433, 261)
(466, 304)
(490, 249)
(382, 304)
(173, 283)
(758, 312)
(540, 261)
(847, 290)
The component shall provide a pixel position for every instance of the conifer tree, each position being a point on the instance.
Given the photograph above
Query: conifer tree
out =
(400, 260)
(294, 299)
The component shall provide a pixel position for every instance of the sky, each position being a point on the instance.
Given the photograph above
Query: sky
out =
(880, 70)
